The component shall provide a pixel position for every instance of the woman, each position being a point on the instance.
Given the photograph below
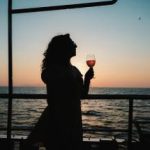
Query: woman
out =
(60, 125)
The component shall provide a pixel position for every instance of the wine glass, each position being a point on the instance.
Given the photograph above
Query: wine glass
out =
(90, 60)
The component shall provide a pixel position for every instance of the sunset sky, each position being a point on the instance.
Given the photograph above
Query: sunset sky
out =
(118, 35)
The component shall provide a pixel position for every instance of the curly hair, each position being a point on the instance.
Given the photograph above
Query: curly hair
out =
(57, 50)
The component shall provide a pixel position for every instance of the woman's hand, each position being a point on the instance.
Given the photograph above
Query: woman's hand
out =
(89, 74)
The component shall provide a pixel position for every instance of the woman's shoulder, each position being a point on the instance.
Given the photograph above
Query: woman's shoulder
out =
(59, 73)
(52, 73)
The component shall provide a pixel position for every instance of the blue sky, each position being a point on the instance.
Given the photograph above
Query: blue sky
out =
(118, 35)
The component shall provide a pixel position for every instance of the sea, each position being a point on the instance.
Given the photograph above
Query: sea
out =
(101, 118)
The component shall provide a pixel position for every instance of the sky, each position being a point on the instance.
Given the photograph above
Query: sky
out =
(118, 35)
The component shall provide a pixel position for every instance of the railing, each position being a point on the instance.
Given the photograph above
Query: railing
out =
(63, 7)
(130, 99)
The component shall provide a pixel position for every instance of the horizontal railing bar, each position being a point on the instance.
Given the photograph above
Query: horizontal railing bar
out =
(90, 96)
(107, 130)
(62, 7)
(25, 96)
(90, 130)
(117, 96)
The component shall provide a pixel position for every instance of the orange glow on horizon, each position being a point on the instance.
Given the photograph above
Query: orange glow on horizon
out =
(104, 76)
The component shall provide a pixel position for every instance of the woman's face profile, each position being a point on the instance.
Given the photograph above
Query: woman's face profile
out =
(71, 47)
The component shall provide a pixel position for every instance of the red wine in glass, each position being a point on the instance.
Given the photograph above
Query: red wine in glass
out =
(90, 60)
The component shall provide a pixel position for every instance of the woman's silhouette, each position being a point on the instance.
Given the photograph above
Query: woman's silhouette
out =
(60, 125)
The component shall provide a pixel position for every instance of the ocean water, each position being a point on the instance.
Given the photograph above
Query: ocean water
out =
(96, 114)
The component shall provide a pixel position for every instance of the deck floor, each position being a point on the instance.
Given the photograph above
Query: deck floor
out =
(87, 145)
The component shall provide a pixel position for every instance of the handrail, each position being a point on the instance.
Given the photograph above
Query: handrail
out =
(90, 96)
(62, 7)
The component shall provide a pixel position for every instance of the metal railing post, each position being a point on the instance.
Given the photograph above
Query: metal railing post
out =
(130, 120)
(10, 81)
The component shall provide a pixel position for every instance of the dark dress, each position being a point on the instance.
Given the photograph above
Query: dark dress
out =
(60, 125)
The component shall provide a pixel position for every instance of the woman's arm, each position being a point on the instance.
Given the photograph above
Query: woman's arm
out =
(88, 76)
